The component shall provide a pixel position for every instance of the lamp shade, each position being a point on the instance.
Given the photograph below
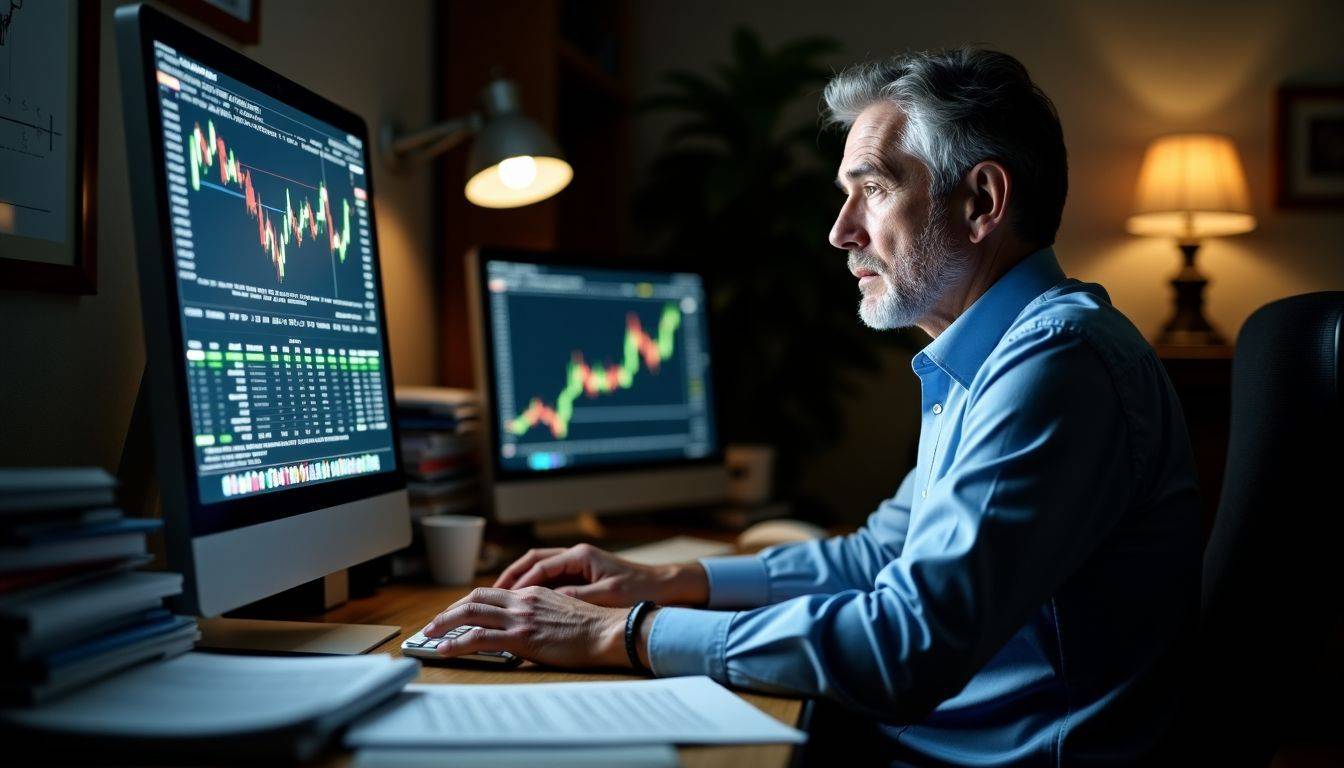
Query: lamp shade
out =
(1191, 186)
(513, 162)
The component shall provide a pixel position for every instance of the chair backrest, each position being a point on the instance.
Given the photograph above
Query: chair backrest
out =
(1272, 568)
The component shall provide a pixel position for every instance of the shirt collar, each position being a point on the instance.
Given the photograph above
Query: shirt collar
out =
(962, 348)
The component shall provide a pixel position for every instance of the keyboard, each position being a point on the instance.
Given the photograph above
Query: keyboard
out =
(421, 647)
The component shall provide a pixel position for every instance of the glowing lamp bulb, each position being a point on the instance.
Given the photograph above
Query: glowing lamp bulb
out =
(518, 172)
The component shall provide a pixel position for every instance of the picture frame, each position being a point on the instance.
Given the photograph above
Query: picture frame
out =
(239, 19)
(1309, 147)
(49, 146)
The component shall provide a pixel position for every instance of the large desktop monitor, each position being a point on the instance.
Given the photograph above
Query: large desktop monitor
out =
(268, 370)
(598, 386)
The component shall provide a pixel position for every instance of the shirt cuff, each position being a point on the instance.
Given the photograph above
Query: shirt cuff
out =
(689, 641)
(736, 582)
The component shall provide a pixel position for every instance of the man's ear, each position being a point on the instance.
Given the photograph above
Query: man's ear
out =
(986, 207)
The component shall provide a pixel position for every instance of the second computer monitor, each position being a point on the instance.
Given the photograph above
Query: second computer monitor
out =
(598, 383)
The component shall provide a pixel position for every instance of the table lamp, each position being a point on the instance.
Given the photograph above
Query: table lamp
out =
(1191, 186)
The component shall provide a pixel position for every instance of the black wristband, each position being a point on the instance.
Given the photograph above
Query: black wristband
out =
(632, 622)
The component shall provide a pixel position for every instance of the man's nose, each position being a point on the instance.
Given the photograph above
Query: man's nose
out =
(848, 233)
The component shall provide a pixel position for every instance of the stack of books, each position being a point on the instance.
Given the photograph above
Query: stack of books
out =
(440, 447)
(73, 606)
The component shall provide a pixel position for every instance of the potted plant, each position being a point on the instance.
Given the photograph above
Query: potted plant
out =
(743, 187)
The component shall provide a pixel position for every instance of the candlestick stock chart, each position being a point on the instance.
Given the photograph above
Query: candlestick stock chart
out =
(596, 367)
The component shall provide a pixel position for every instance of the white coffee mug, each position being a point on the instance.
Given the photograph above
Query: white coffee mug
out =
(452, 544)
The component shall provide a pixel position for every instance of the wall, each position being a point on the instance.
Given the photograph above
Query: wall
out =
(72, 365)
(1120, 74)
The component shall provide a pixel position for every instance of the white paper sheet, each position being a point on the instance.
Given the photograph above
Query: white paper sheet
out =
(678, 549)
(680, 710)
(625, 756)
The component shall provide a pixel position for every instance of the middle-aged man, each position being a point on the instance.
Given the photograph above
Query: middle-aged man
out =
(1026, 596)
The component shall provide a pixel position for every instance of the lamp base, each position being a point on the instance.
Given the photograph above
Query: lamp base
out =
(1188, 326)
(1179, 338)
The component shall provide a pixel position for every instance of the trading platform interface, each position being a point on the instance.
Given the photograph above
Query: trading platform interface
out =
(276, 284)
(598, 367)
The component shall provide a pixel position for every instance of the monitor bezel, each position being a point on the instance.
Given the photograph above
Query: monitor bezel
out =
(159, 286)
(487, 374)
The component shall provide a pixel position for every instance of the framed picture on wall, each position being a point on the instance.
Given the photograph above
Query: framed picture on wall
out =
(239, 19)
(49, 145)
(1309, 147)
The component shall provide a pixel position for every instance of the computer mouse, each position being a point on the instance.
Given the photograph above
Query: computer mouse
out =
(768, 533)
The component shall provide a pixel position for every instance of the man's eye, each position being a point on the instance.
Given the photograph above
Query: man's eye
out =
(870, 189)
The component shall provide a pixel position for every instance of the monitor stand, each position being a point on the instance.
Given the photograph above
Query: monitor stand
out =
(584, 526)
(140, 498)
(291, 637)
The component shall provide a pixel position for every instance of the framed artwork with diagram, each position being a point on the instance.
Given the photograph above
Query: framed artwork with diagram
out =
(49, 145)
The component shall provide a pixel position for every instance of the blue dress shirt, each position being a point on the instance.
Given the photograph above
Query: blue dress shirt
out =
(1027, 596)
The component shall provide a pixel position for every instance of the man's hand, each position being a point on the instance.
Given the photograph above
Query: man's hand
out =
(537, 624)
(601, 578)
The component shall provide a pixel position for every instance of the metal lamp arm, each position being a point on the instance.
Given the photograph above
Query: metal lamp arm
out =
(419, 147)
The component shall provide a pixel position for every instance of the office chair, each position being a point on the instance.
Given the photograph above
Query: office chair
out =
(1272, 576)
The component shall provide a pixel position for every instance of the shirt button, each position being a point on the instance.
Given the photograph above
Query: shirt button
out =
(937, 408)
(924, 494)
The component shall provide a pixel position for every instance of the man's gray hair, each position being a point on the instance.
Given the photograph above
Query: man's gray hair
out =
(964, 106)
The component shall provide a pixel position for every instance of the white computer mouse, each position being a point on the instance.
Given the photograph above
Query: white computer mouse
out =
(768, 533)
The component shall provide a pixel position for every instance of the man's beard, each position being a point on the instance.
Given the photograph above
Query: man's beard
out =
(916, 281)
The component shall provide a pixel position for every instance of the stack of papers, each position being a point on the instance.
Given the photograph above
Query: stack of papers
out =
(212, 706)
(680, 710)
(55, 488)
(634, 756)
(72, 607)
(439, 444)
(437, 409)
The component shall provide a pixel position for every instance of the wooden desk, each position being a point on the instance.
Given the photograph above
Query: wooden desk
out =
(410, 606)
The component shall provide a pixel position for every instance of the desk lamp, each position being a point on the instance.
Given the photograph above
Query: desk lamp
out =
(1191, 186)
(512, 163)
